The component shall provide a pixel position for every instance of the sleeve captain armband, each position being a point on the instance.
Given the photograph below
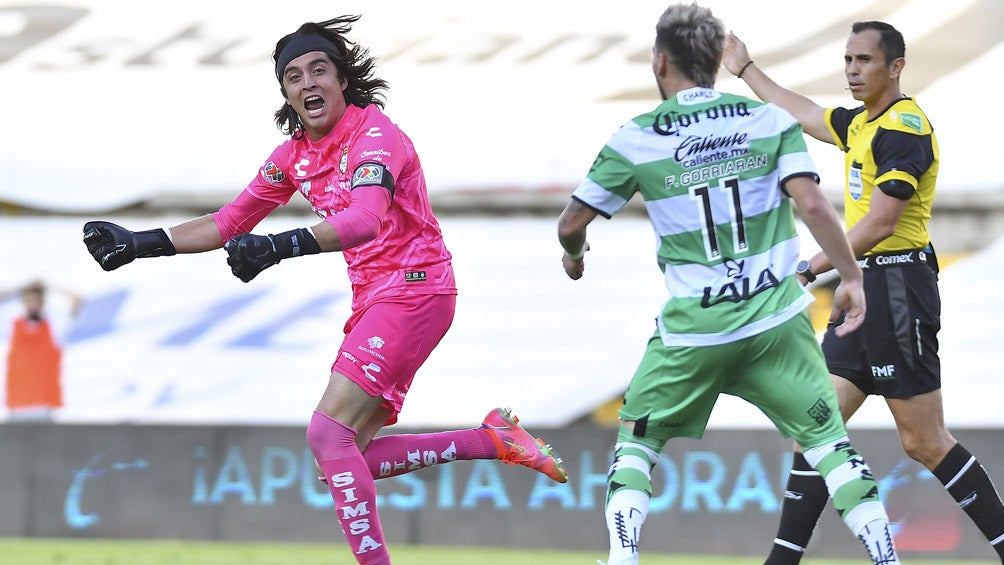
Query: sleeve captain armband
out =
(373, 174)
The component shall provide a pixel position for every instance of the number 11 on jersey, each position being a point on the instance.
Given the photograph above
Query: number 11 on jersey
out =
(702, 195)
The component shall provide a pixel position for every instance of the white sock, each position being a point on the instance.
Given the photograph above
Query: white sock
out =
(878, 541)
(625, 514)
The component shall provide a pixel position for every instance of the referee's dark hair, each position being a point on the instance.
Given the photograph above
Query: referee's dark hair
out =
(353, 62)
(890, 39)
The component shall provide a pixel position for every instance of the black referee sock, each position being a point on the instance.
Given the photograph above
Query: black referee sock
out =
(805, 496)
(968, 483)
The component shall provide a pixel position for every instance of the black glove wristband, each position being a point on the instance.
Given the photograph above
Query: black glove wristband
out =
(153, 243)
(112, 245)
(249, 254)
(294, 243)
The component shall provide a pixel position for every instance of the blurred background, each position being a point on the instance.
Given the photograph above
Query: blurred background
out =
(148, 114)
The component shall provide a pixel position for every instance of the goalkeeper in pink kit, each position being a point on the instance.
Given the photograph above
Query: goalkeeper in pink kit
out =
(362, 176)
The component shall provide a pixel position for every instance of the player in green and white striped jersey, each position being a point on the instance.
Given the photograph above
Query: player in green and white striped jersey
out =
(717, 173)
(709, 166)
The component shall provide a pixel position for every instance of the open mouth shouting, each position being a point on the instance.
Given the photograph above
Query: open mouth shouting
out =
(314, 105)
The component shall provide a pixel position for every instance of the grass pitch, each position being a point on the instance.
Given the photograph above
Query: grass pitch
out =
(157, 552)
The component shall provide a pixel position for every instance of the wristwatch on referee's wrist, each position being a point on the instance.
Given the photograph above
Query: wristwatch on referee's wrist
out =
(804, 268)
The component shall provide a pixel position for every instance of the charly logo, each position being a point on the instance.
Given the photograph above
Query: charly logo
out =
(371, 367)
(698, 95)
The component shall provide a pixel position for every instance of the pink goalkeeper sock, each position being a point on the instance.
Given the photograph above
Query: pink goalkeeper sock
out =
(352, 487)
(390, 456)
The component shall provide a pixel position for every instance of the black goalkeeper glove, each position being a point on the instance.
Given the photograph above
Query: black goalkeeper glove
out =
(112, 245)
(249, 254)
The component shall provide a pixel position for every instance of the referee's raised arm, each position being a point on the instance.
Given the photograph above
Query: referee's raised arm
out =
(811, 116)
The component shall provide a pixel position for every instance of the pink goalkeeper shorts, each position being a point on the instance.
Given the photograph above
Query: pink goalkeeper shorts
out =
(386, 343)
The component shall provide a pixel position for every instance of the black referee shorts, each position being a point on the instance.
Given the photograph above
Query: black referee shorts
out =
(895, 351)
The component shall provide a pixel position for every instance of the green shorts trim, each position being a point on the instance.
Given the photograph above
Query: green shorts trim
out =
(780, 371)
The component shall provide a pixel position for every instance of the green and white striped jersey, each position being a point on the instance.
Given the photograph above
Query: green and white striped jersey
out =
(710, 167)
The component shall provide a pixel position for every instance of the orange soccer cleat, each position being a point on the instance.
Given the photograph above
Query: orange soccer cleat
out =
(516, 446)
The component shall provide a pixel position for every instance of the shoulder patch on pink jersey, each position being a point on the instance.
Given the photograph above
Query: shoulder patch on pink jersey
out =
(368, 174)
(272, 173)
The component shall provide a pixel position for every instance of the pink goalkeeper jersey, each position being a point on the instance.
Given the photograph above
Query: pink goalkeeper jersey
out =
(408, 255)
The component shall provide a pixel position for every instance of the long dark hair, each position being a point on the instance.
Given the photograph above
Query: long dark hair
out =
(353, 62)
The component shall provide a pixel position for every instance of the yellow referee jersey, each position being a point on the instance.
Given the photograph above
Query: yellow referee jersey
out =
(898, 144)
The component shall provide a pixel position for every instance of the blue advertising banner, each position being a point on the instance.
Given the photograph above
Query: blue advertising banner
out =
(719, 495)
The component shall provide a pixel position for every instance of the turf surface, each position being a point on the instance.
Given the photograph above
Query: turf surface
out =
(151, 552)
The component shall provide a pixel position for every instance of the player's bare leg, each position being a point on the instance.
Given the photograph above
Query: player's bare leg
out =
(921, 424)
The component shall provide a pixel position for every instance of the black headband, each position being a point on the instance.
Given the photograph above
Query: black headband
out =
(301, 45)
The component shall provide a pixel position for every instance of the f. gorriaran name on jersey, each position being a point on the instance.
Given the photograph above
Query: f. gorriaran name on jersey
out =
(709, 166)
